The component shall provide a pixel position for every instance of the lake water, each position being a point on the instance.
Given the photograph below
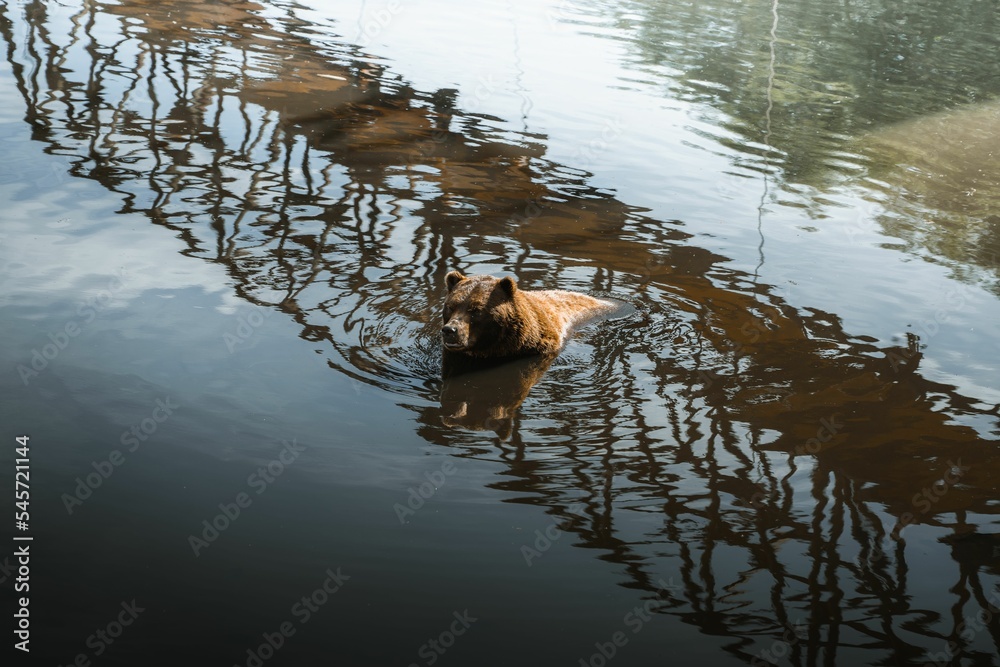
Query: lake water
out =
(225, 231)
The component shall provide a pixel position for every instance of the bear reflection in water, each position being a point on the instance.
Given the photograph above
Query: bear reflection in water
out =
(498, 341)
(484, 394)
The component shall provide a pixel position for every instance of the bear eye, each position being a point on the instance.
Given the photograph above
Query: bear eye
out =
(476, 314)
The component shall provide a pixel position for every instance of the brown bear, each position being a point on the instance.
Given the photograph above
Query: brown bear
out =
(491, 318)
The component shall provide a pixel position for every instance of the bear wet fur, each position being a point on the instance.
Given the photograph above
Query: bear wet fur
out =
(492, 318)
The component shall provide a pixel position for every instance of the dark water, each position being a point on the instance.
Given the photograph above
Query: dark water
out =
(225, 230)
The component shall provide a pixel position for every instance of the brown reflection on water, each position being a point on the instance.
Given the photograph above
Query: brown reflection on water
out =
(947, 163)
(485, 396)
(749, 431)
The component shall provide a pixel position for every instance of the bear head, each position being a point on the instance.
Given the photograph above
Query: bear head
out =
(481, 315)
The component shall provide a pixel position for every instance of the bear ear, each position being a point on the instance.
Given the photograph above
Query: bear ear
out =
(453, 278)
(507, 287)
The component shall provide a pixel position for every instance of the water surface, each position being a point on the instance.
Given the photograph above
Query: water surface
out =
(783, 450)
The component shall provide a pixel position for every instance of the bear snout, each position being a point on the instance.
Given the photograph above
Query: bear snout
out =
(451, 337)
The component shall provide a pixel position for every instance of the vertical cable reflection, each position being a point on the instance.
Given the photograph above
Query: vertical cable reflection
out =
(519, 88)
(767, 136)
